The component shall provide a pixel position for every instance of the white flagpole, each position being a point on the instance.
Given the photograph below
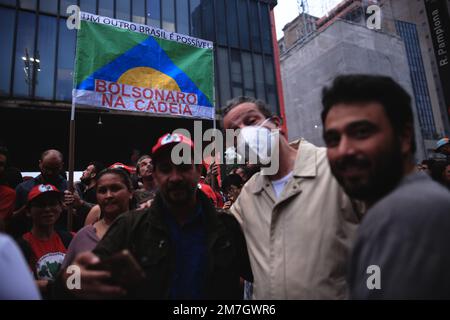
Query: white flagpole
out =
(71, 187)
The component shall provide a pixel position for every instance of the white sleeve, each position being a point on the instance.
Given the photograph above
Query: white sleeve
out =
(236, 211)
(16, 280)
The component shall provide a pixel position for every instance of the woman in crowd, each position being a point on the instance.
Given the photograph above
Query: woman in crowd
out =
(114, 197)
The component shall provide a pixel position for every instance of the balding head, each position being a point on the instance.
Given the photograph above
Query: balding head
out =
(52, 153)
(51, 165)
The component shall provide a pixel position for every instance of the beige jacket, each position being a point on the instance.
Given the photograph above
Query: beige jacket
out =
(298, 245)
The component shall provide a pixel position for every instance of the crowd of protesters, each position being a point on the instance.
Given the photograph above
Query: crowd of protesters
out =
(309, 231)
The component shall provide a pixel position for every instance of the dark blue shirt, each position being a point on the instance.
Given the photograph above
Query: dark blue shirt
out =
(25, 187)
(188, 279)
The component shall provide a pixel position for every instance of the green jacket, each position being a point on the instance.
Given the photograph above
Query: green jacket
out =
(147, 237)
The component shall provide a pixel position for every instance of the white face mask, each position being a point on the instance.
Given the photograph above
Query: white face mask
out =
(260, 141)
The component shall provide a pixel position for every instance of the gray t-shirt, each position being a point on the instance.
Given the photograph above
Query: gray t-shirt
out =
(407, 235)
(85, 240)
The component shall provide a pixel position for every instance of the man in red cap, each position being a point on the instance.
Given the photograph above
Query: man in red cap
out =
(44, 248)
(187, 248)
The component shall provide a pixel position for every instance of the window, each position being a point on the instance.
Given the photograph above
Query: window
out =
(88, 6)
(236, 73)
(154, 13)
(233, 32)
(208, 20)
(408, 32)
(24, 56)
(271, 86)
(254, 26)
(123, 10)
(28, 4)
(138, 11)
(8, 2)
(48, 6)
(106, 8)
(64, 5)
(196, 18)
(267, 39)
(45, 74)
(224, 75)
(259, 77)
(249, 84)
(183, 16)
(168, 14)
(243, 24)
(7, 27)
(221, 22)
(66, 57)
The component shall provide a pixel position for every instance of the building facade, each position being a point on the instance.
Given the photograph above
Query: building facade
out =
(341, 48)
(38, 53)
(432, 95)
(403, 40)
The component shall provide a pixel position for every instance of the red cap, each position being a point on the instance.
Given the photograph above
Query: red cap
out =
(40, 189)
(120, 165)
(169, 140)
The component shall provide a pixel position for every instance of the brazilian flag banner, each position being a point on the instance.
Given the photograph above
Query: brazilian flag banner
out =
(124, 66)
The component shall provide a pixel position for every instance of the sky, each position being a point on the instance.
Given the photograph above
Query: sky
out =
(286, 11)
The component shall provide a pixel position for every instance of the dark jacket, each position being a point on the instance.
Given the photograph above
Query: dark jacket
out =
(147, 236)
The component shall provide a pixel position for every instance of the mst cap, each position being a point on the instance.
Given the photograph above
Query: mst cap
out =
(169, 140)
(41, 189)
(119, 165)
(442, 143)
